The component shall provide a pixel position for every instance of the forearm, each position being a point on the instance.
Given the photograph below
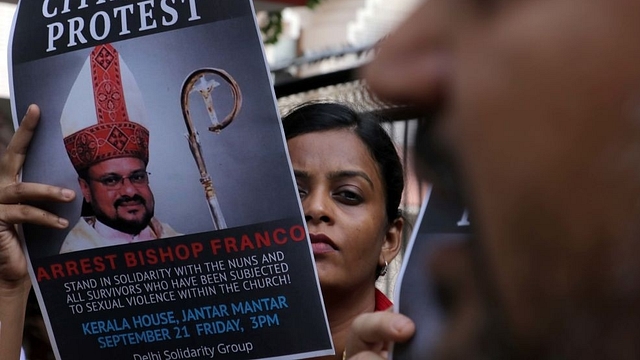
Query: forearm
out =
(13, 301)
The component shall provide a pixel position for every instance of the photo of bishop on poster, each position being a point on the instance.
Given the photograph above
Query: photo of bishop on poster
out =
(186, 235)
(110, 153)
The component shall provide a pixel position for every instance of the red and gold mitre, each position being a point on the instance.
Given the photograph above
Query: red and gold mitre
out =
(104, 114)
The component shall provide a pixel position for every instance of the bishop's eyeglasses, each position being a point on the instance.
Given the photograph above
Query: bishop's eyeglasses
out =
(116, 181)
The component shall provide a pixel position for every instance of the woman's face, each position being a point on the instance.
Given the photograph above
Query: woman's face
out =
(343, 199)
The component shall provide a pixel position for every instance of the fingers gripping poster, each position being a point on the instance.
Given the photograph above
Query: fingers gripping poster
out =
(186, 238)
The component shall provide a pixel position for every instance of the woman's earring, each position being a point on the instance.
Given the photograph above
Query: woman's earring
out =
(383, 272)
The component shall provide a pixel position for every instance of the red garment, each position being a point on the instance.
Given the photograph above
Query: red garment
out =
(382, 302)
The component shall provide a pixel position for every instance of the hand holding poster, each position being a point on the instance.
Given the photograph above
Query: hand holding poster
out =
(186, 236)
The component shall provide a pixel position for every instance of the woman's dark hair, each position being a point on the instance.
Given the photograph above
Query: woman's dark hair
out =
(324, 116)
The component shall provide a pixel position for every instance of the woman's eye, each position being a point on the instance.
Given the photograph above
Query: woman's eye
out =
(301, 192)
(349, 197)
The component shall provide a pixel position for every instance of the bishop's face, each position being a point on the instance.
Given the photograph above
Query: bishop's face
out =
(119, 194)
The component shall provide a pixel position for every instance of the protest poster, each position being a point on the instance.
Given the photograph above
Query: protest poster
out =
(186, 238)
(442, 225)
